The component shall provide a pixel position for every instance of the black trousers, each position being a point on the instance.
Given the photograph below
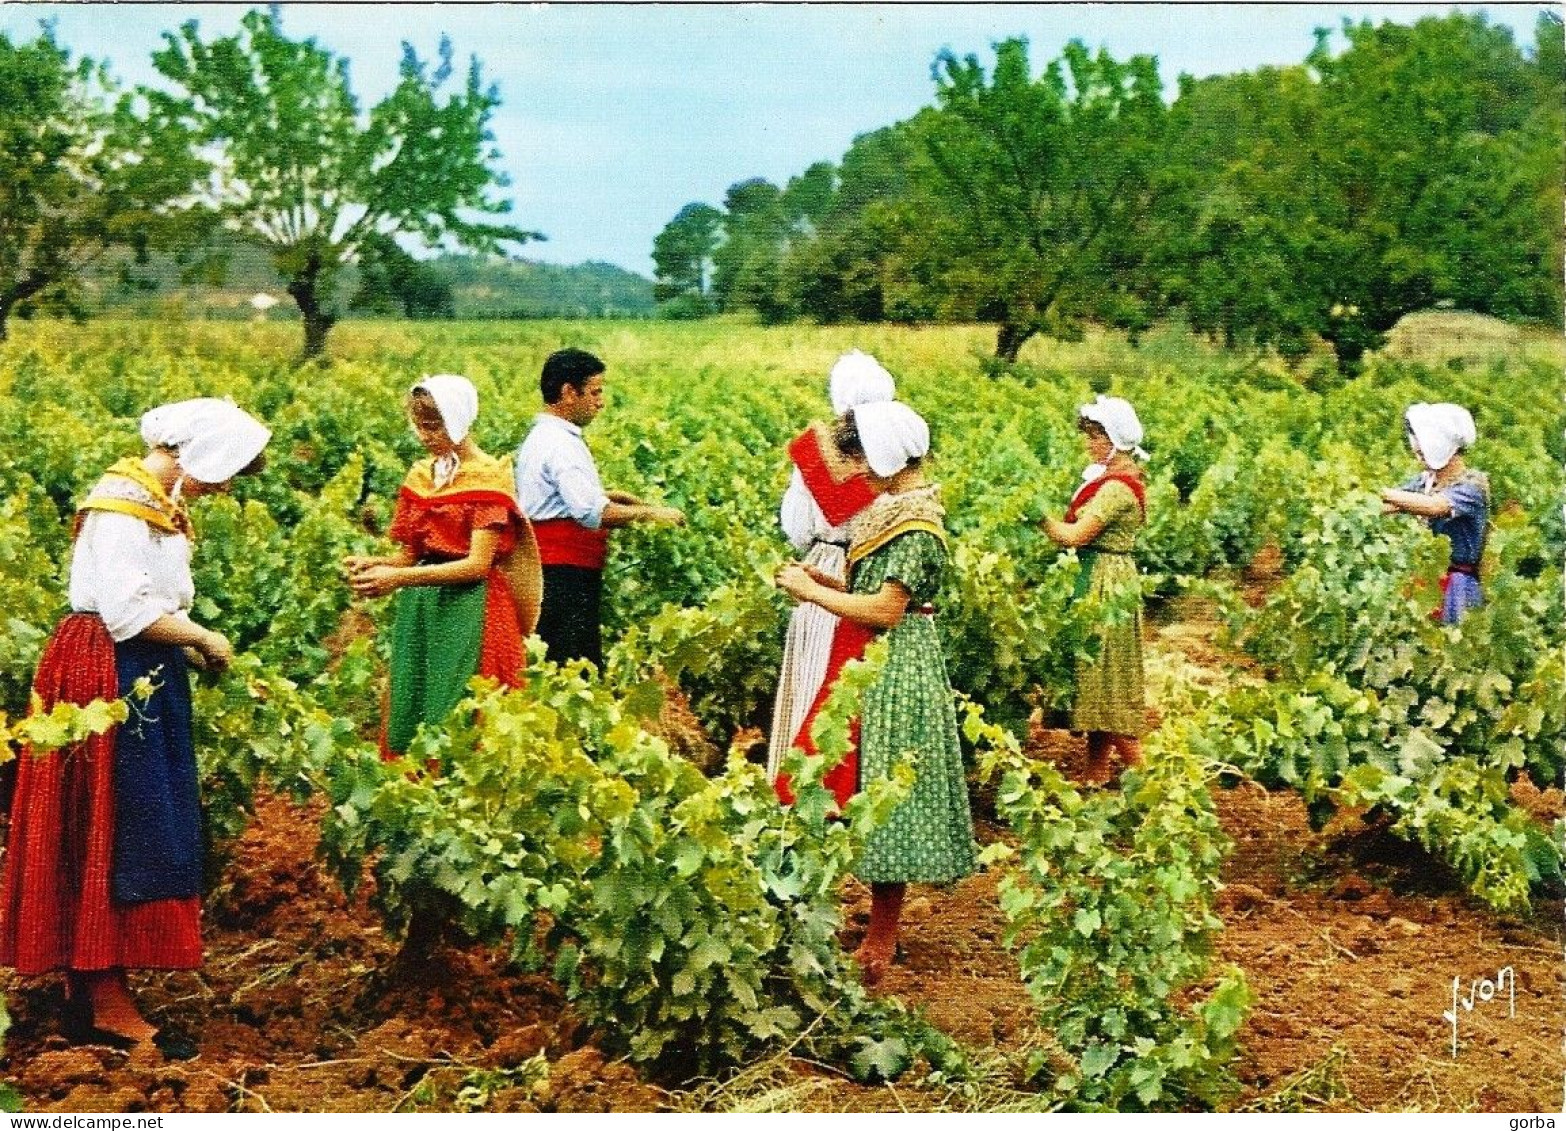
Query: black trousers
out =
(568, 622)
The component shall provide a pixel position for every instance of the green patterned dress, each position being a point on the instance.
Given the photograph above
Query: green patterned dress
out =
(1110, 694)
(929, 837)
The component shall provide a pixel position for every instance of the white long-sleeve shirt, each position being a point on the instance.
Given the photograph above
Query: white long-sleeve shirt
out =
(556, 475)
(127, 572)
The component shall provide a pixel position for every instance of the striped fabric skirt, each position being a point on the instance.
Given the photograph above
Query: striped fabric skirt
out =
(79, 893)
(806, 648)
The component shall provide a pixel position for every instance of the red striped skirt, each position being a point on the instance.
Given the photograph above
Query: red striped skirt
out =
(849, 642)
(56, 907)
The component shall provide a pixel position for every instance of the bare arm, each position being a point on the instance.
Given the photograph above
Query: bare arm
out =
(380, 579)
(884, 608)
(1074, 535)
(624, 498)
(1414, 502)
(623, 514)
(825, 579)
(213, 647)
(357, 562)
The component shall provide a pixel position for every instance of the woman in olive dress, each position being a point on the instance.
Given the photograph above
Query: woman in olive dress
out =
(1101, 524)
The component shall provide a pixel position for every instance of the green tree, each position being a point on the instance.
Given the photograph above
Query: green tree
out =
(1252, 220)
(850, 265)
(391, 282)
(302, 173)
(746, 266)
(1419, 129)
(1036, 192)
(84, 169)
(1421, 165)
(682, 254)
(763, 226)
(808, 198)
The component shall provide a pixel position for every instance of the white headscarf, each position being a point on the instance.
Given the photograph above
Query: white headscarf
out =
(856, 379)
(457, 401)
(1117, 418)
(215, 439)
(1441, 430)
(893, 435)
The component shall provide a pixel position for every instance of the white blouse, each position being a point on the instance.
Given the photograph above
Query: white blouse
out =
(127, 572)
(801, 518)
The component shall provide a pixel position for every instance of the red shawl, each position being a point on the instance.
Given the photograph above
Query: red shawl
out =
(838, 493)
(1086, 492)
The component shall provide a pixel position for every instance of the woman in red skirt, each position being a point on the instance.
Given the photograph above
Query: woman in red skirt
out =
(102, 869)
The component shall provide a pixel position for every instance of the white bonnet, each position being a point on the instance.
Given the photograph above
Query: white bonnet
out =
(856, 379)
(892, 434)
(215, 438)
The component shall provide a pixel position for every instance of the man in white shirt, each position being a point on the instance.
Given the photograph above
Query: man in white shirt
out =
(560, 492)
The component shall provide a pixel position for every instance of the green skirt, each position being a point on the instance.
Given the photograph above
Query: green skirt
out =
(1110, 692)
(436, 638)
(929, 837)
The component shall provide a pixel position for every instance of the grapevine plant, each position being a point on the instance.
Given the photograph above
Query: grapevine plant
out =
(1372, 704)
(1108, 900)
(693, 921)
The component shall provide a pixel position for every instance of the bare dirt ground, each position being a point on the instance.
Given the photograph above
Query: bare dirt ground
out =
(1350, 943)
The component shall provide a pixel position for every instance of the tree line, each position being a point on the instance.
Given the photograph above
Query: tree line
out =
(1421, 165)
(255, 140)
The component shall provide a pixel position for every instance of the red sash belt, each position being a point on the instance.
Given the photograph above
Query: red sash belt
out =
(848, 643)
(561, 541)
(1454, 569)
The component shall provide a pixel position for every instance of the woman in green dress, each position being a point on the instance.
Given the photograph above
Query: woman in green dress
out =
(896, 557)
(1101, 524)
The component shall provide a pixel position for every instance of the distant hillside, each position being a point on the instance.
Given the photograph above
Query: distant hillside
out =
(482, 287)
(521, 288)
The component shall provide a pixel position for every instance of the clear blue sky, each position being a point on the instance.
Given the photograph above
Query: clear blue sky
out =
(613, 117)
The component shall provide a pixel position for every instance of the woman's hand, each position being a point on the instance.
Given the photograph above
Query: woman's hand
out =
(1052, 531)
(826, 580)
(795, 580)
(375, 580)
(358, 563)
(215, 650)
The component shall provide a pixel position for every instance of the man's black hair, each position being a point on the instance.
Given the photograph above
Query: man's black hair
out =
(572, 367)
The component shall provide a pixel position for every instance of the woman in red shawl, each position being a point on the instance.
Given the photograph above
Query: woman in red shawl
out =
(1101, 524)
(465, 573)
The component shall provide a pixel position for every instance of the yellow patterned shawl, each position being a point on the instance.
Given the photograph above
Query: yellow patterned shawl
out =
(162, 514)
(891, 515)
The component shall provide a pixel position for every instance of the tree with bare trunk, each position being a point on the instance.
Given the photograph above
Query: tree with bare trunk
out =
(301, 173)
(1039, 191)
